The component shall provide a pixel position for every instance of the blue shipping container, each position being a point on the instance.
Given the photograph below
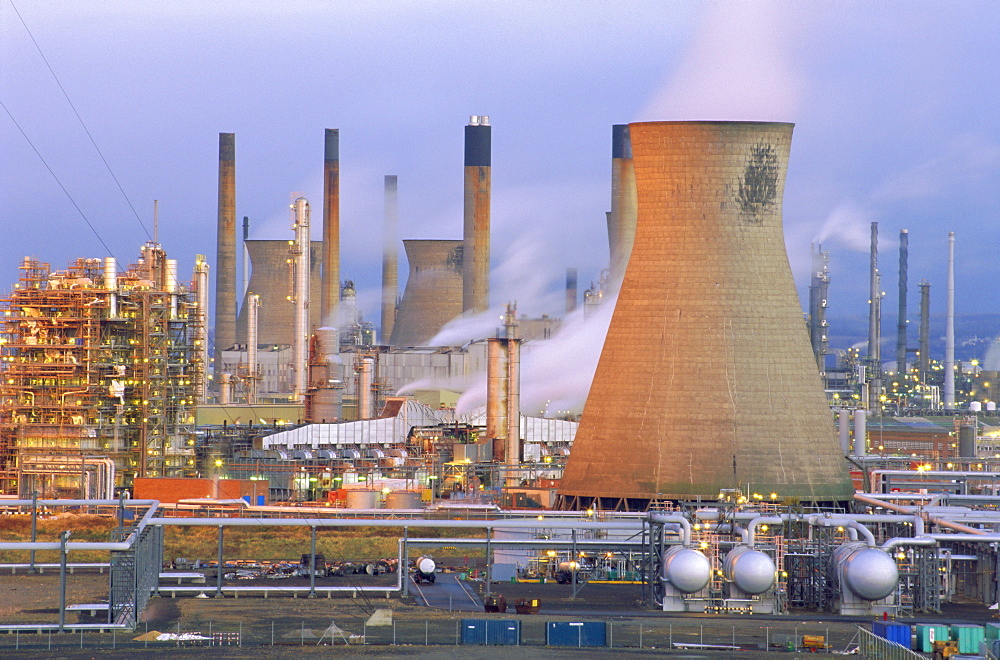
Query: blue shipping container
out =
(894, 632)
(577, 633)
(491, 632)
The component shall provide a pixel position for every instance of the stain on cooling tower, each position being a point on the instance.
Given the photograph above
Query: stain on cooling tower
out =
(455, 259)
(758, 188)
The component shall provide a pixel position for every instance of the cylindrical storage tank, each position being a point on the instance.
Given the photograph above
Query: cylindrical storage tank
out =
(752, 571)
(867, 572)
(975, 406)
(686, 570)
(425, 565)
(403, 499)
(991, 405)
(350, 454)
(362, 499)
(967, 441)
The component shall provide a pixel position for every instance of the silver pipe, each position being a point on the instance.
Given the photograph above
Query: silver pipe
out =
(860, 433)
(680, 520)
(201, 327)
(301, 258)
(823, 521)
(368, 522)
(253, 307)
(924, 541)
(761, 520)
(949, 330)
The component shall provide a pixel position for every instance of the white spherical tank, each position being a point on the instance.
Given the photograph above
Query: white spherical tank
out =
(869, 573)
(687, 570)
(752, 571)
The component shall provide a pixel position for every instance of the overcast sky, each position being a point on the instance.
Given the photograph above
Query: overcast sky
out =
(896, 107)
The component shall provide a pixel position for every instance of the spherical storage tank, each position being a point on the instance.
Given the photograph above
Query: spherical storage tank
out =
(687, 570)
(752, 571)
(869, 573)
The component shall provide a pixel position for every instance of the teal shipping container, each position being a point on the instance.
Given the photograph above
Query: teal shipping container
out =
(968, 637)
(993, 631)
(928, 633)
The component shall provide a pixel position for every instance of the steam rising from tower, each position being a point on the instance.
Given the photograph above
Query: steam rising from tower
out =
(708, 281)
(476, 237)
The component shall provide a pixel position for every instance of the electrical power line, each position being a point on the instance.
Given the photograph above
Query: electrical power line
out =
(82, 123)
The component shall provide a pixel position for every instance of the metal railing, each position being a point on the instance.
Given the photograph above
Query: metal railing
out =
(873, 647)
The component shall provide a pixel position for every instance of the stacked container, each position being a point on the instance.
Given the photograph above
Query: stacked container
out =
(968, 637)
(894, 632)
(928, 633)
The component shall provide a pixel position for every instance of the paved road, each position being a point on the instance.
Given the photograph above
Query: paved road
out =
(447, 593)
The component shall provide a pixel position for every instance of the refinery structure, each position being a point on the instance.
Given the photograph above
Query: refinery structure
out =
(783, 475)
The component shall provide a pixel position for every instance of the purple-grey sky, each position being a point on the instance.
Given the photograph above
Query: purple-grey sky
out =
(896, 108)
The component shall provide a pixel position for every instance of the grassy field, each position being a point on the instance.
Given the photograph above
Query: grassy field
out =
(260, 543)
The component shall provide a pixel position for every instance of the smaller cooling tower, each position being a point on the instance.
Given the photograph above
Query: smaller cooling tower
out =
(271, 280)
(433, 294)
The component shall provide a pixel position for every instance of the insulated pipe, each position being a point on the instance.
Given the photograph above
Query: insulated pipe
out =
(201, 327)
(253, 305)
(822, 521)
(895, 542)
(949, 330)
(910, 510)
(680, 520)
(761, 520)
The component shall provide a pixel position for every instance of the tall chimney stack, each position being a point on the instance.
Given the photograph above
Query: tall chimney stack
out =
(476, 237)
(874, 325)
(225, 272)
(949, 329)
(904, 239)
(924, 341)
(330, 297)
(390, 260)
(621, 222)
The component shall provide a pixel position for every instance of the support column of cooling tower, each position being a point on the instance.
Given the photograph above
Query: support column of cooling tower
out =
(924, 341)
(874, 326)
(366, 378)
(476, 236)
(390, 260)
(844, 428)
(225, 260)
(623, 202)
(904, 239)
(300, 258)
(860, 433)
(949, 330)
(253, 307)
(496, 387)
(330, 297)
(201, 327)
(571, 294)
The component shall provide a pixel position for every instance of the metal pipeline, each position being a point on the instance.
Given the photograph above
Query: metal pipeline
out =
(763, 520)
(913, 511)
(680, 520)
(823, 521)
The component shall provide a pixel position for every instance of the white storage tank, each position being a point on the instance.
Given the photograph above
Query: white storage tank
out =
(686, 570)
(869, 573)
(752, 571)
(403, 499)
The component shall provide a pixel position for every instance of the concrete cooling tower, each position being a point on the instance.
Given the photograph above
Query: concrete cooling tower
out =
(433, 293)
(271, 279)
(706, 380)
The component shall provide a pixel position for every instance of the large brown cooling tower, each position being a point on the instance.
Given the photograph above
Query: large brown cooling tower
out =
(433, 293)
(706, 380)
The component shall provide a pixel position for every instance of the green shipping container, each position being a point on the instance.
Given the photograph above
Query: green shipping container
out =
(993, 631)
(928, 633)
(968, 637)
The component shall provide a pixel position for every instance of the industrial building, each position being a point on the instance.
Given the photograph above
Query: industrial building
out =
(102, 373)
